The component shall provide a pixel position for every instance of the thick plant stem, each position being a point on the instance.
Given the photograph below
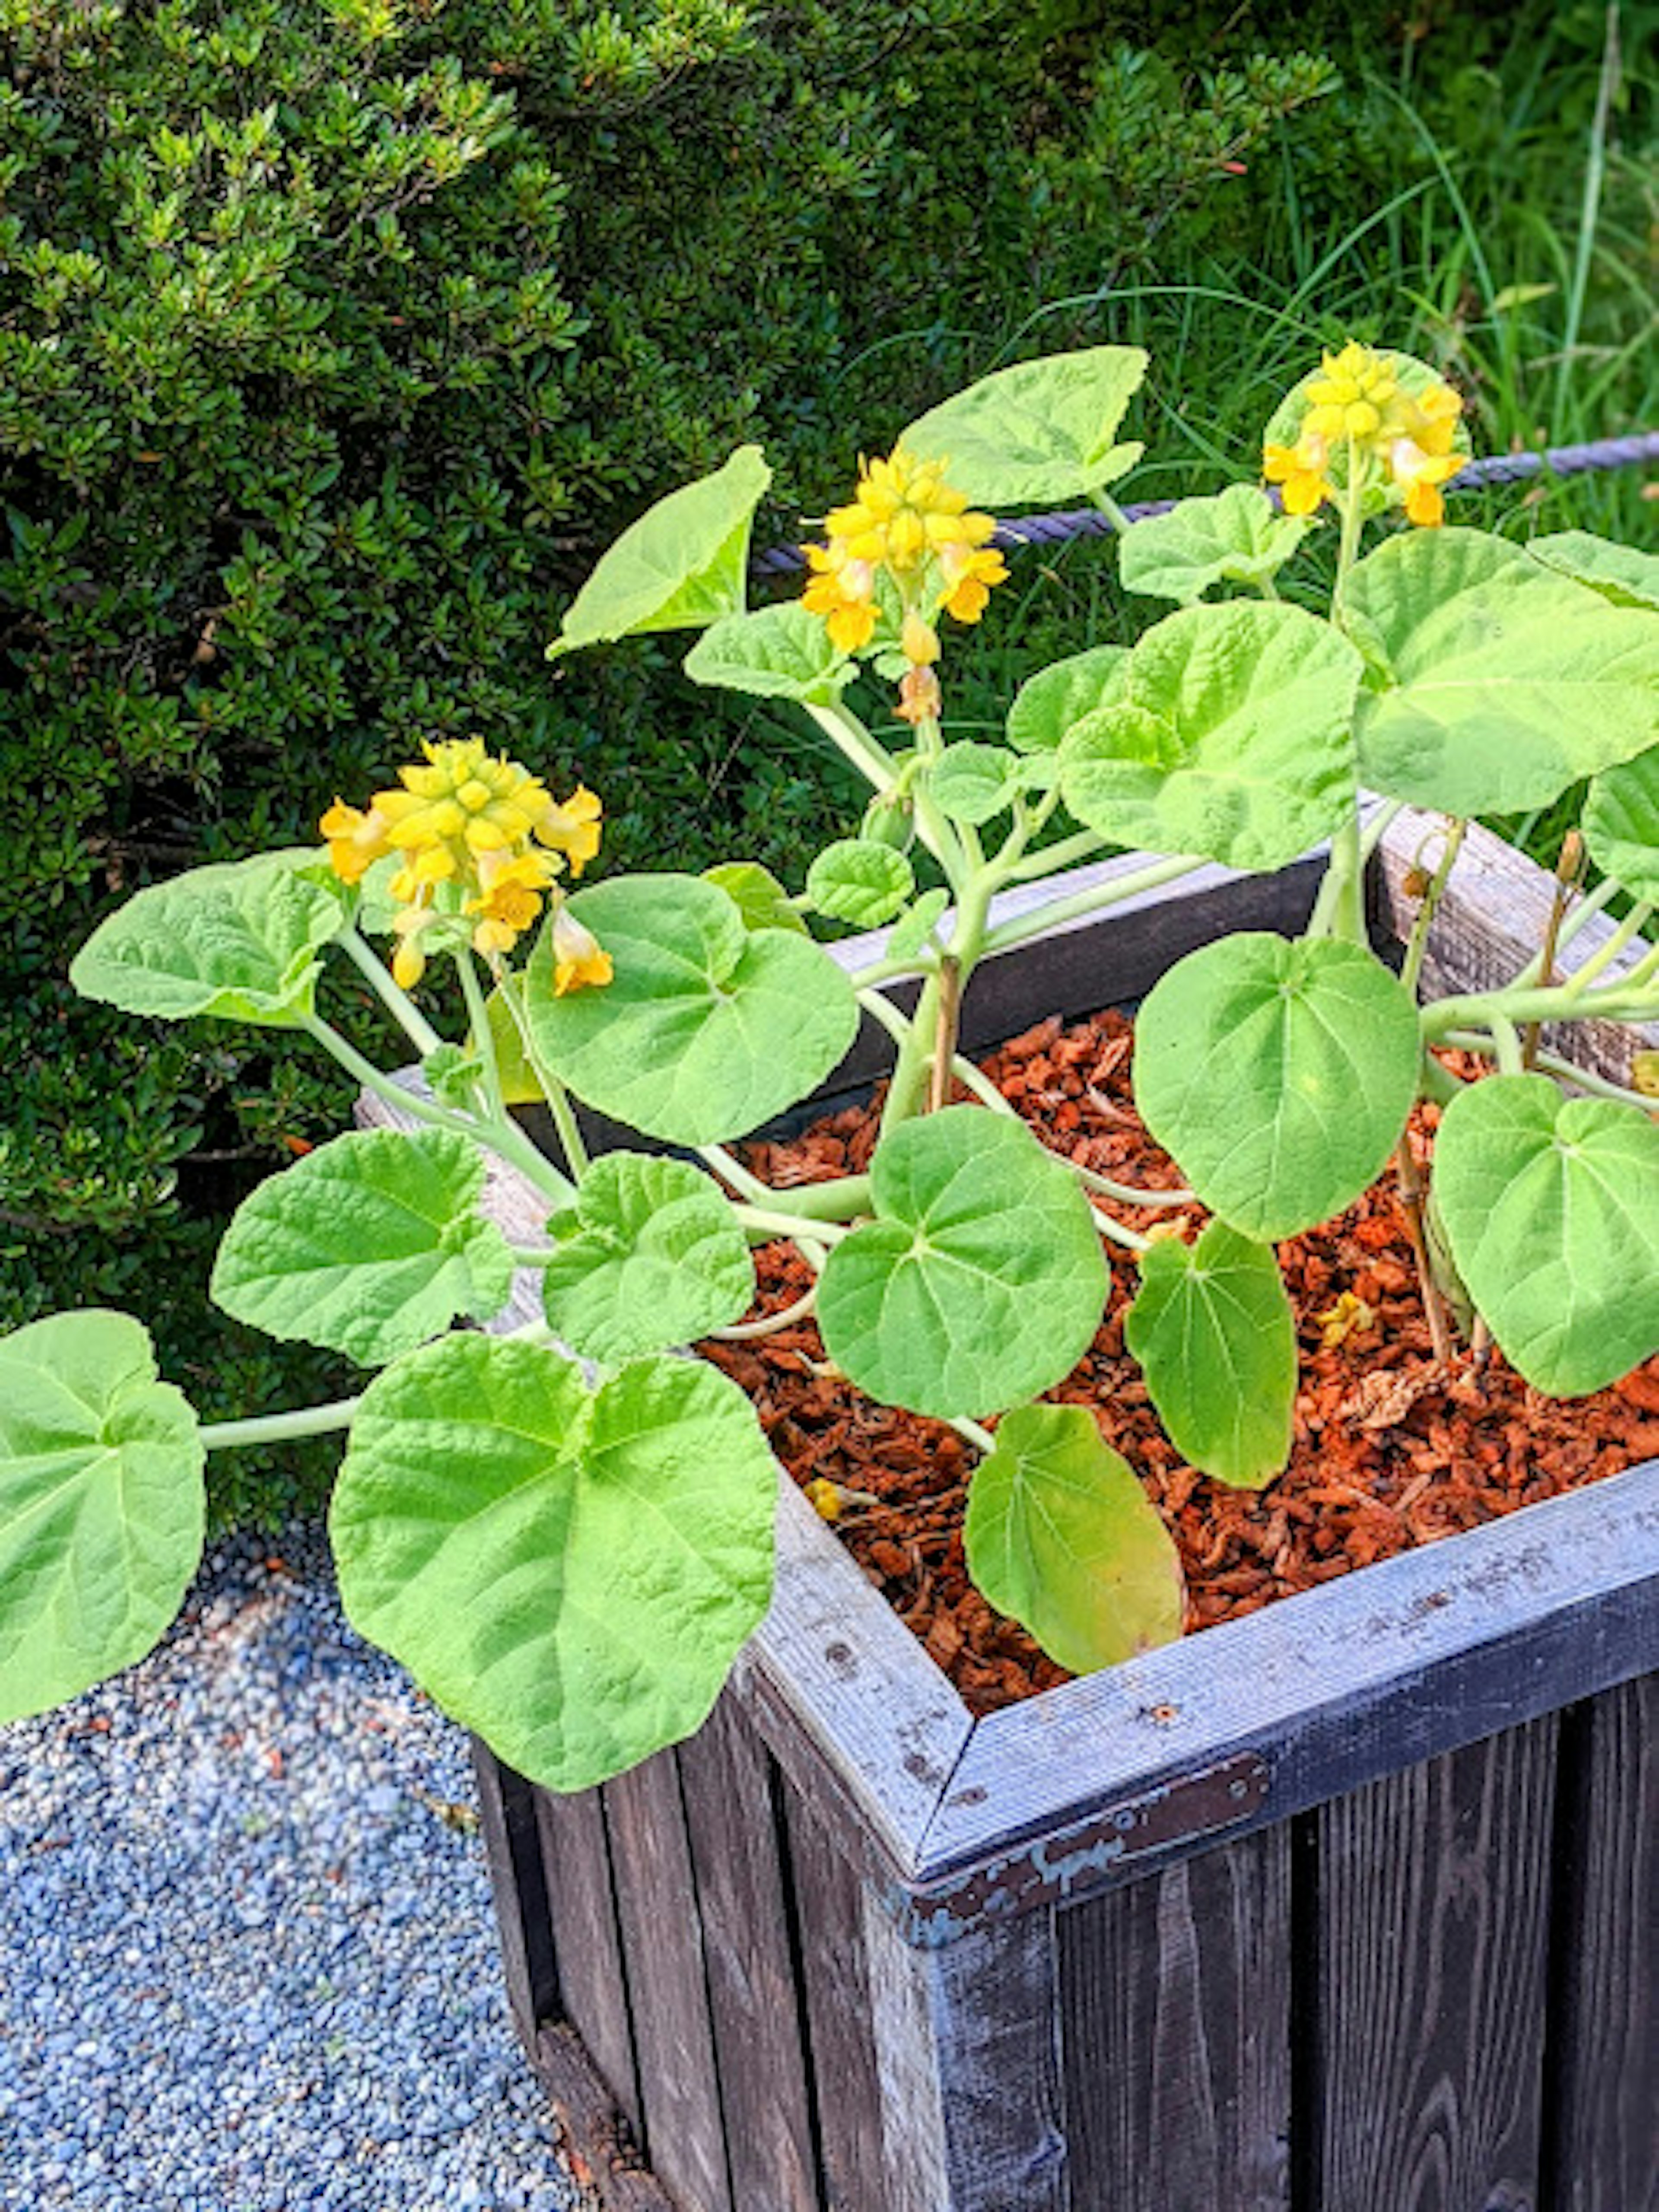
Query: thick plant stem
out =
(279, 1428)
(483, 1041)
(744, 1332)
(945, 1035)
(1568, 869)
(1413, 1193)
(1021, 927)
(554, 1095)
(391, 993)
(1412, 968)
(841, 1198)
(774, 1222)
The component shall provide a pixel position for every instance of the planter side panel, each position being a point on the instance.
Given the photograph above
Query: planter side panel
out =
(1176, 2004)
(587, 1940)
(1432, 1919)
(1601, 2123)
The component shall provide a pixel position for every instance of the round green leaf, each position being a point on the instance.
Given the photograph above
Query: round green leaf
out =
(1225, 734)
(1621, 824)
(1046, 704)
(980, 1281)
(1280, 1075)
(858, 880)
(570, 1576)
(1238, 537)
(658, 1259)
(1510, 682)
(974, 783)
(913, 929)
(102, 1505)
(683, 564)
(708, 1028)
(369, 1245)
(758, 896)
(1040, 431)
(1216, 1339)
(777, 652)
(1552, 1207)
(1060, 1535)
(238, 940)
(1627, 576)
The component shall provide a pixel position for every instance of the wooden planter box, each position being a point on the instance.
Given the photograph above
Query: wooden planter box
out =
(1347, 1906)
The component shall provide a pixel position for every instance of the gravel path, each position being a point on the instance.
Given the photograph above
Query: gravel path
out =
(246, 1954)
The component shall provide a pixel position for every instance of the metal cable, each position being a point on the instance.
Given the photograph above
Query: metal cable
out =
(1494, 469)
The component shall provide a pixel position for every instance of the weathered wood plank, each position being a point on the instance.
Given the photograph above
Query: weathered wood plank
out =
(507, 1818)
(1432, 1923)
(753, 1996)
(598, 2147)
(587, 1940)
(1176, 1998)
(1419, 1655)
(685, 2130)
(1602, 2093)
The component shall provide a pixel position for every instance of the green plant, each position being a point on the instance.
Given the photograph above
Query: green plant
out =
(565, 1531)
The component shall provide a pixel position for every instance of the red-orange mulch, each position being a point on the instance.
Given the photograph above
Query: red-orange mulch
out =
(1389, 1452)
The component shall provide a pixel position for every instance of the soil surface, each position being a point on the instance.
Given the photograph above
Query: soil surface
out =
(1390, 1450)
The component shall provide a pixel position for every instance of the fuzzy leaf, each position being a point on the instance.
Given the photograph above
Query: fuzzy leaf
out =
(1214, 1331)
(1621, 824)
(568, 1575)
(1238, 537)
(1278, 1074)
(1225, 734)
(758, 896)
(1623, 574)
(980, 1281)
(1510, 682)
(912, 929)
(1046, 704)
(102, 1505)
(682, 565)
(1060, 1535)
(859, 881)
(369, 1245)
(777, 652)
(658, 1259)
(1551, 1204)
(974, 783)
(1040, 431)
(708, 1029)
(238, 940)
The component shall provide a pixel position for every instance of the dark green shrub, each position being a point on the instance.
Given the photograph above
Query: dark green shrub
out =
(335, 335)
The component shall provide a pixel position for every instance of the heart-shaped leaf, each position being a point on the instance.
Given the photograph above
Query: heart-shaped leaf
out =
(1238, 537)
(1226, 733)
(238, 940)
(1040, 431)
(570, 1576)
(707, 1030)
(1060, 1535)
(1552, 1207)
(913, 929)
(1046, 704)
(658, 1259)
(1510, 681)
(1280, 1075)
(102, 1505)
(974, 783)
(859, 880)
(683, 564)
(777, 652)
(1623, 574)
(758, 896)
(369, 1245)
(1214, 1334)
(1621, 824)
(980, 1281)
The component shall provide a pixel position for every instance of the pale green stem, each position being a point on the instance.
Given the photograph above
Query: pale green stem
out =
(1340, 910)
(1418, 944)
(838, 1199)
(1126, 1194)
(743, 1331)
(892, 971)
(1631, 927)
(1506, 1040)
(1618, 1002)
(1113, 513)
(875, 764)
(1378, 825)
(789, 1224)
(1020, 928)
(1116, 1233)
(981, 1439)
(1564, 1070)
(972, 1079)
(898, 1026)
(391, 993)
(554, 1093)
(1063, 854)
(483, 1040)
(1585, 911)
(279, 1428)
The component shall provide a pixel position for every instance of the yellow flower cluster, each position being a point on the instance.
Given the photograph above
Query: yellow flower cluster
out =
(908, 519)
(477, 838)
(1359, 413)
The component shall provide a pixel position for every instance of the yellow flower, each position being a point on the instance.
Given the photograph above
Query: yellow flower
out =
(919, 641)
(510, 899)
(1300, 469)
(355, 839)
(578, 956)
(1351, 397)
(1419, 476)
(409, 962)
(903, 509)
(572, 828)
(843, 589)
(920, 698)
(970, 577)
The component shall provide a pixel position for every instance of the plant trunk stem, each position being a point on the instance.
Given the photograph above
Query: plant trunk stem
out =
(1412, 1190)
(278, 1428)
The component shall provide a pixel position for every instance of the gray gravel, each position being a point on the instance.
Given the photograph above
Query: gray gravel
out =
(246, 1954)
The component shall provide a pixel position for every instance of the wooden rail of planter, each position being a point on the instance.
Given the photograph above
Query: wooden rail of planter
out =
(1351, 1906)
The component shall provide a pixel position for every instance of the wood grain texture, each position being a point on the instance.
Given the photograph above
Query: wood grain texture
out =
(1602, 2095)
(1176, 2000)
(1432, 1924)
(1418, 1655)
(587, 1940)
(753, 1996)
(506, 1820)
(598, 2147)
(657, 1908)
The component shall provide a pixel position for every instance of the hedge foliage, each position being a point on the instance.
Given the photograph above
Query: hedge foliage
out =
(335, 335)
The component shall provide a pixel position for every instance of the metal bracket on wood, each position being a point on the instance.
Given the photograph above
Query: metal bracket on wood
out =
(1055, 1868)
